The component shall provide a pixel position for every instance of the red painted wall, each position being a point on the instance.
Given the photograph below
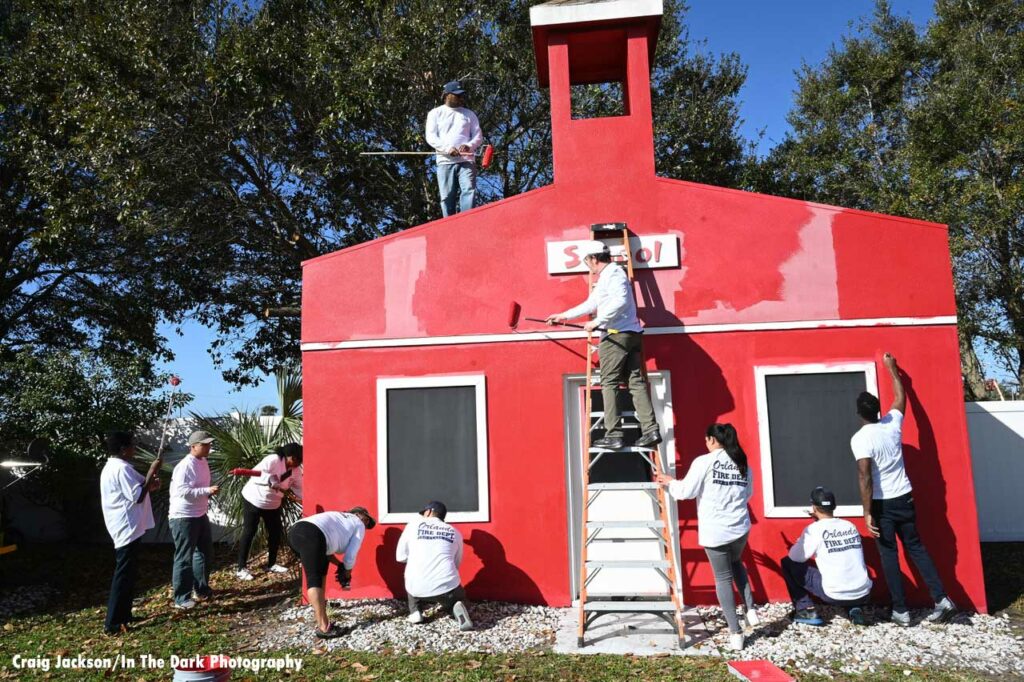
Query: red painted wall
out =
(522, 553)
(744, 258)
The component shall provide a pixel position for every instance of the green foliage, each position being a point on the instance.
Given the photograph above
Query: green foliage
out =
(928, 124)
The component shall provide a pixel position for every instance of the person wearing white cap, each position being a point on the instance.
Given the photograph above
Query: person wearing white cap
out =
(454, 131)
(432, 552)
(190, 526)
(621, 350)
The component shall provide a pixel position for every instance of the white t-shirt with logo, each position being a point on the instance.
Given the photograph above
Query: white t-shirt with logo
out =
(432, 552)
(344, 533)
(883, 444)
(722, 494)
(835, 545)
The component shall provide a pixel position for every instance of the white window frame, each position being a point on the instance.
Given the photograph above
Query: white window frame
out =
(479, 384)
(771, 510)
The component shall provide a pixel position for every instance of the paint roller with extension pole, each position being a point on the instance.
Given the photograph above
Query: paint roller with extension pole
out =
(515, 310)
(486, 153)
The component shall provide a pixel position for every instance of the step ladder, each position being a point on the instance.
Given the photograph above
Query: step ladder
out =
(592, 606)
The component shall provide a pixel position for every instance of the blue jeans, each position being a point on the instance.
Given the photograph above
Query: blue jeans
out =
(457, 182)
(193, 555)
(803, 580)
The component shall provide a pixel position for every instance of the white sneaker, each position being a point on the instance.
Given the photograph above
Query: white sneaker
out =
(243, 574)
(415, 618)
(736, 641)
(187, 604)
(277, 568)
(753, 620)
(461, 615)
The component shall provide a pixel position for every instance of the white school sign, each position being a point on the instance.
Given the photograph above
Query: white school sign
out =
(648, 252)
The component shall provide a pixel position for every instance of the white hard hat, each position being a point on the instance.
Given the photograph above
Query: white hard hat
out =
(593, 248)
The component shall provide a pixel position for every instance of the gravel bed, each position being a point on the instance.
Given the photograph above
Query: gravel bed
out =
(25, 599)
(379, 624)
(984, 644)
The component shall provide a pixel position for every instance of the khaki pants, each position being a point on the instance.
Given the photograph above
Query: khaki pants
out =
(622, 359)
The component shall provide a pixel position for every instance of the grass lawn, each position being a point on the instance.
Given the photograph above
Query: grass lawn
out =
(72, 625)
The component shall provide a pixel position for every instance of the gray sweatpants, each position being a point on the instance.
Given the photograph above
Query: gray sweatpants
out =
(728, 568)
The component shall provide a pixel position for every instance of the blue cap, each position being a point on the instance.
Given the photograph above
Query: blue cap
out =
(453, 88)
(440, 511)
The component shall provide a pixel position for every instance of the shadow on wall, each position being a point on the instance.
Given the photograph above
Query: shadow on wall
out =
(390, 570)
(497, 578)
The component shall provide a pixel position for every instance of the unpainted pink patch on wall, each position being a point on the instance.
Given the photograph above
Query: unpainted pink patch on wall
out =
(404, 263)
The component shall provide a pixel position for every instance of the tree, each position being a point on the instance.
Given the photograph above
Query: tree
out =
(928, 125)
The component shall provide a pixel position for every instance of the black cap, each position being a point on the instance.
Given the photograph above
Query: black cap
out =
(453, 88)
(440, 511)
(823, 498)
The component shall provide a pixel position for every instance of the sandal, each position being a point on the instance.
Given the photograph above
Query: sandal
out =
(333, 632)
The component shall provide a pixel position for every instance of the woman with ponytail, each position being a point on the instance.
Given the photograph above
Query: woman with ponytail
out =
(262, 497)
(721, 483)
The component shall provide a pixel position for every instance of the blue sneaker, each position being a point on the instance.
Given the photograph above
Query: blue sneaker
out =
(807, 617)
(856, 615)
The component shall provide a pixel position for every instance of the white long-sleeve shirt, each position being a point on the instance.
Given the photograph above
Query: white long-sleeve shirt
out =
(120, 487)
(344, 533)
(835, 545)
(722, 494)
(612, 300)
(432, 553)
(449, 127)
(190, 488)
(260, 490)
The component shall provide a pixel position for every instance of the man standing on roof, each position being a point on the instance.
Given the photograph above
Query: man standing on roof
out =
(888, 502)
(454, 131)
(621, 350)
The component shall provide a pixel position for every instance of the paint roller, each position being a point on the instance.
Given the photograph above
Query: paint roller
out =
(486, 154)
(515, 310)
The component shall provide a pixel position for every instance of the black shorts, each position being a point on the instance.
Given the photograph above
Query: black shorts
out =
(310, 544)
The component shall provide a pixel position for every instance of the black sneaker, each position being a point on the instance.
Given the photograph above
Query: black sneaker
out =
(606, 443)
(649, 439)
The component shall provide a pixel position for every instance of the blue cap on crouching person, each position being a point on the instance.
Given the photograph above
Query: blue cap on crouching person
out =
(823, 498)
(440, 511)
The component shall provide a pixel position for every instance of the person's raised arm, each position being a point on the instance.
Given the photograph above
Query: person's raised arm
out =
(899, 399)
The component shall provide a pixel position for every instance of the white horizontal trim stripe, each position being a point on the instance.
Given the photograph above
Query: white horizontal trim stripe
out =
(650, 331)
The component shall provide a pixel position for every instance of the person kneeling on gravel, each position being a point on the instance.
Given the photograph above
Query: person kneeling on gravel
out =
(432, 552)
(316, 539)
(840, 576)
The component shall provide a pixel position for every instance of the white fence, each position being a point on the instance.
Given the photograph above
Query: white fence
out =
(996, 431)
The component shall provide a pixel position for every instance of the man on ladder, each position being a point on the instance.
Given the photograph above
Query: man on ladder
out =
(621, 349)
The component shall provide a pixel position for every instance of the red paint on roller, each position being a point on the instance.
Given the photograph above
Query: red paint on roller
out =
(174, 380)
(485, 161)
(244, 472)
(513, 314)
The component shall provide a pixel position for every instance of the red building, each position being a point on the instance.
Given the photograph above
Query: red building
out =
(765, 312)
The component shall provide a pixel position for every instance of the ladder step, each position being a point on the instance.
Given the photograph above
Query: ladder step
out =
(631, 485)
(628, 563)
(624, 413)
(655, 523)
(631, 448)
(630, 606)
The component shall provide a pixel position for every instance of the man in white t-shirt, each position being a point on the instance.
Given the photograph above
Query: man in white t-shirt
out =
(888, 502)
(432, 552)
(840, 576)
(454, 131)
(190, 525)
(127, 514)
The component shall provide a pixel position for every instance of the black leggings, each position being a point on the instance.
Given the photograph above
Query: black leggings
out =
(251, 515)
(310, 544)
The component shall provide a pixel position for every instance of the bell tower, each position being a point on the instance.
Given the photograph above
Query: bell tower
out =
(580, 42)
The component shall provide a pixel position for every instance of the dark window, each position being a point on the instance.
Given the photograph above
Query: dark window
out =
(811, 418)
(432, 448)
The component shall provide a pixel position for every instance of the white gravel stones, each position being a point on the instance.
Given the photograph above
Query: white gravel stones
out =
(379, 624)
(979, 643)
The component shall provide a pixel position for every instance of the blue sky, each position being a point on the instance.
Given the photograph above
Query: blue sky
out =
(772, 38)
